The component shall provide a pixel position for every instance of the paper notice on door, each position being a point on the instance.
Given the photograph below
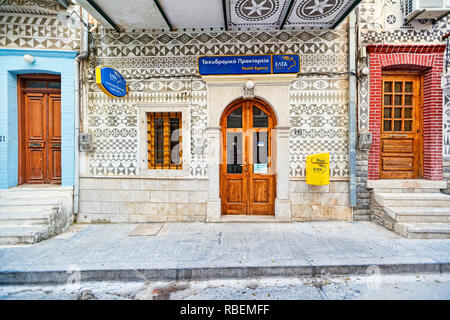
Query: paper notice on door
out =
(260, 168)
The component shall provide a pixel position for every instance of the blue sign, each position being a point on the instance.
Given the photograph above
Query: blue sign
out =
(286, 63)
(111, 82)
(254, 64)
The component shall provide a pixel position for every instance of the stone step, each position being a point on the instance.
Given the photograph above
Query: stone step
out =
(48, 193)
(423, 230)
(22, 218)
(419, 214)
(412, 199)
(10, 235)
(28, 202)
(405, 184)
(36, 205)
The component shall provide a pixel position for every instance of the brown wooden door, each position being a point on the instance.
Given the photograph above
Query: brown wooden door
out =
(40, 127)
(247, 176)
(401, 130)
(54, 138)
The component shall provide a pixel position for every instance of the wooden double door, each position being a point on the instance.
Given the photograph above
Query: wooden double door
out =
(401, 127)
(39, 130)
(247, 173)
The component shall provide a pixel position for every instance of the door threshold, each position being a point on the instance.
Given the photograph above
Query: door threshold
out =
(248, 218)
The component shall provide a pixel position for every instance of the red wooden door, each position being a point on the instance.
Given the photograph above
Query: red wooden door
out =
(40, 127)
(401, 136)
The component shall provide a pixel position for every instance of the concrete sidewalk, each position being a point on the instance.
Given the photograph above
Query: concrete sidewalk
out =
(221, 250)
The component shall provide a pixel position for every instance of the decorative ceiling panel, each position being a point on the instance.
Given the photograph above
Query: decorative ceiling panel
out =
(236, 14)
(318, 13)
(254, 14)
(270, 14)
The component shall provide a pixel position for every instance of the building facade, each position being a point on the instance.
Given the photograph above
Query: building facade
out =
(37, 119)
(181, 146)
(401, 54)
(308, 114)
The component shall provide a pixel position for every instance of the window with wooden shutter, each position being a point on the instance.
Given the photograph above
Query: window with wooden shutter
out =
(164, 140)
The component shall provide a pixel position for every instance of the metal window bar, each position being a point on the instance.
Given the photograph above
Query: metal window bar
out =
(164, 140)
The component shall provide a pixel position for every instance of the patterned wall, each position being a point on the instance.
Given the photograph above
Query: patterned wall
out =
(382, 21)
(161, 69)
(31, 24)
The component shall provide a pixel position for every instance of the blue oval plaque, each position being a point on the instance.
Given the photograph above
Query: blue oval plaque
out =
(111, 82)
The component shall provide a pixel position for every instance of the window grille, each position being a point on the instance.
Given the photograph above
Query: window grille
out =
(164, 140)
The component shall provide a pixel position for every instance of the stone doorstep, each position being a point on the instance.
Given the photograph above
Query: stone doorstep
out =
(419, 214)
(248, 218)
(423, 230)
(37, 187)
(405, 184)
(412, 199)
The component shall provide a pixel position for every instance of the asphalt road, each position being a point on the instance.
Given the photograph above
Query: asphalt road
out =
(420, 286)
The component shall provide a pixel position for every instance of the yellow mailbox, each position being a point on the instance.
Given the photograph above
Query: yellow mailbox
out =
(318, 169)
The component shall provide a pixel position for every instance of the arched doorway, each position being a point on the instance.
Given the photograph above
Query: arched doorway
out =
(247, 170)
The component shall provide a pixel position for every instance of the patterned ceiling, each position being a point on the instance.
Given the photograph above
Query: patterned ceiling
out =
(239, 14)
(269, 14)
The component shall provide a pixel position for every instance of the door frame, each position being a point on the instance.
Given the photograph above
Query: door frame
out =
(418, 113)
(21, 78)
(272, 170)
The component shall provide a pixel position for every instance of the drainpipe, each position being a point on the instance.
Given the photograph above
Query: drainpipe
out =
(84, 52)
(352, 107)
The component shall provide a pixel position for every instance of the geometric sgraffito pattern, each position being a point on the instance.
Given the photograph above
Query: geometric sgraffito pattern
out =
(113, 123)
(160, 66)
(319, 123)
(36, 32)
(363, 101)
(446, 116)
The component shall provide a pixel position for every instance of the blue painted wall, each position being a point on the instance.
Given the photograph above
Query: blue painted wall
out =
(12, 64)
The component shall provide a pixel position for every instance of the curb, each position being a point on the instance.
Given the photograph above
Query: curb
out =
(131, 275)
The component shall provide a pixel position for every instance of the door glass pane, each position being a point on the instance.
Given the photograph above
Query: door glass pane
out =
(408, 125)
(260, 147)
(398, 87)
(234, 120)
(387, 125)
(388, 87)
(398, 113)
(408, 113)
(408, 87)
(234, 152)
(37, 84)
(260, 118)
(387, 100)
(398, 100)
(398, 125)
(54, 85)
(408, 100)
(387, 112)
